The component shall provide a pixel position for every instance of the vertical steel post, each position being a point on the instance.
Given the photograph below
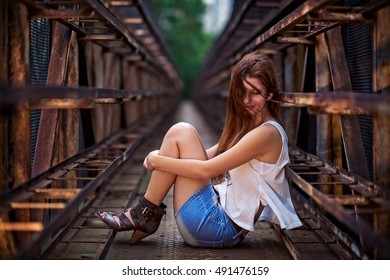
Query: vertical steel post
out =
(352, 139)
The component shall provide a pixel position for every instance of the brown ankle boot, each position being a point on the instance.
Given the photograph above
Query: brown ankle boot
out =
(146, 218)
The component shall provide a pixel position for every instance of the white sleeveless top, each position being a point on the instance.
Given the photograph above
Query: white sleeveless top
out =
(255, 182)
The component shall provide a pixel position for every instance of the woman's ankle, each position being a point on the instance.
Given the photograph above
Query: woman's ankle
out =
(152, 199)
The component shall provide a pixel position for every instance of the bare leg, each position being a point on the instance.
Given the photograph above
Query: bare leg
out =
(181, 141)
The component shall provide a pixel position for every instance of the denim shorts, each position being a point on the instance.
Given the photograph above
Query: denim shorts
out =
(202, 222)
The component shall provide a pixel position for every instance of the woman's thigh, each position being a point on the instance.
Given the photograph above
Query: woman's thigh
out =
(202, 222)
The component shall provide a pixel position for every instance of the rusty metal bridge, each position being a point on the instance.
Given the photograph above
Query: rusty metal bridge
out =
(88, 88)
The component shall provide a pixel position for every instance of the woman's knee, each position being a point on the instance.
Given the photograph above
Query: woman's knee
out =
(187, 139)
(181, 130)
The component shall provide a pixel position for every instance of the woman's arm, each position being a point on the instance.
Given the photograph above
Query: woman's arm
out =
(212, 151)
(254, 144)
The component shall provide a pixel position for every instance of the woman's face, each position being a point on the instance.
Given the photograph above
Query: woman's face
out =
(255, 95)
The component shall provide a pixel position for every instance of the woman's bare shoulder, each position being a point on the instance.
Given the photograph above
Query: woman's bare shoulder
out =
(269, 143)
(267, 131)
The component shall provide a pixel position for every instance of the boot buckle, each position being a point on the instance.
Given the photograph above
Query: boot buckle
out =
(146, 211)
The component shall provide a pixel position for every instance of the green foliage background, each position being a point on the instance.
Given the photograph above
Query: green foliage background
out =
(181, 22)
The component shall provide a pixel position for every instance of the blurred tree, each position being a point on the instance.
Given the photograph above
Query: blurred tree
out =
(188, 43)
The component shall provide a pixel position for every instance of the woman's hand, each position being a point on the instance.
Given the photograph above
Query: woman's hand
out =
(147, 162)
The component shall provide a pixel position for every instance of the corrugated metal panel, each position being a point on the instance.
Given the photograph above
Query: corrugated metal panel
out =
(39, 63)
(359, 51)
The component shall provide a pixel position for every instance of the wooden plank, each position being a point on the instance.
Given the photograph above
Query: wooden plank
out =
(133, 20)
(294, 40)
(20, 226)
(62, 104)
(100, 37)
(128, 3)
(36, 205)
(56, 193)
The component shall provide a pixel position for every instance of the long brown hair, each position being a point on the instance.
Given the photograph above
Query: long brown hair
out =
(239, 121)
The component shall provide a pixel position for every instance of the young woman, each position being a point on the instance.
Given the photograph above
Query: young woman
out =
(219, 194)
